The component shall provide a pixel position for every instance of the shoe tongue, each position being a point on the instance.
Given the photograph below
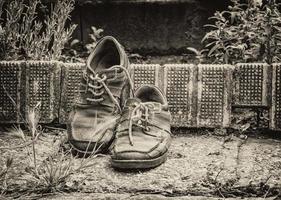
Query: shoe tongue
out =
(148, 93)
(112, 73)
(132, 101)
(82, 99)
(135, 101)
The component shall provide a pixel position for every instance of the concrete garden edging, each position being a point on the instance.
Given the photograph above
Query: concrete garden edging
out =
(199, 95)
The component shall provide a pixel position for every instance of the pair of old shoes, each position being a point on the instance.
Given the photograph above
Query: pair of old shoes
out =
(110, 116)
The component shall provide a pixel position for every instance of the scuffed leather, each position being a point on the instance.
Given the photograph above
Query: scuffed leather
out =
(92, 124)
(146, 144)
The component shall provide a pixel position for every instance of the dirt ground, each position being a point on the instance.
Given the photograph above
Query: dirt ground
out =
(199, 166)
(91, 196)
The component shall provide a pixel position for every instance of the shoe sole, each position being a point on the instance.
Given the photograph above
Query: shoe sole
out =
(100, 147)
(77, 148)
(139, 164)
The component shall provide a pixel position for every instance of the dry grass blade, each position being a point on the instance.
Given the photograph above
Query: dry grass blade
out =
(52, 174)
(32, 124)
(12, 100)
(33, 121)
(17, 132)
(4, 175)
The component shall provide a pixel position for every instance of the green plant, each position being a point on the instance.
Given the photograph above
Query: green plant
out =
(77, 51)
(24, 36)
(56, 21)
(199, 54)
(95, 35)
(273, 30)
(52, 174)
(246, 32)
(74, 51)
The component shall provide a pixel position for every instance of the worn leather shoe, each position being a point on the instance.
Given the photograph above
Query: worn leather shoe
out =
(143, 134)
(104, 86)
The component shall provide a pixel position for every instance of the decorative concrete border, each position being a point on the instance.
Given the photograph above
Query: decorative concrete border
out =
(43, 86)
(252, 85)
(214, 95)
(70, 83)
(11, 91)
(179, 86)
(199, 95)
(275, 108)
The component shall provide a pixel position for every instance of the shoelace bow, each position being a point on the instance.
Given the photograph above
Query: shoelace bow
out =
(141, 116)
(96, 84)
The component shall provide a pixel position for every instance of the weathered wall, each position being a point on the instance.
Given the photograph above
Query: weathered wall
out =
(147, 27)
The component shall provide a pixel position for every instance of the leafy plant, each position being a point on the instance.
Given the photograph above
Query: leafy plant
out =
(78, 51)
(246, 32)
(273, 19)
(199, 54)
(74, 51)
(95, 35)
(24, 36)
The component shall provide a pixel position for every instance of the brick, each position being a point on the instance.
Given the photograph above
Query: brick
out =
(275, 109)
(11, 95)
(214, 96)
(252, 83)
(43, 85)
(71, 77)
(179, 89)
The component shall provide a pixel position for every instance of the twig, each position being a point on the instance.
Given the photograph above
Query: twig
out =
(267, 179)
(54, 128)
(221, 193)
(264, 197)
(218, 174)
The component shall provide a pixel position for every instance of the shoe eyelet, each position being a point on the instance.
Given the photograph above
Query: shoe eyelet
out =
(103, 76)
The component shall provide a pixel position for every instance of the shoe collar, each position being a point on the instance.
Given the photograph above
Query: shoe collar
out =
(99, 46)
(151, 93)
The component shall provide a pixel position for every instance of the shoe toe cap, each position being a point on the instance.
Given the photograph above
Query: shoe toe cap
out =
(132, 155)
(97, 143)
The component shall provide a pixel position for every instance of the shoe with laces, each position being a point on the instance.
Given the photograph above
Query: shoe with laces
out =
(104, 86)
(143, 134)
